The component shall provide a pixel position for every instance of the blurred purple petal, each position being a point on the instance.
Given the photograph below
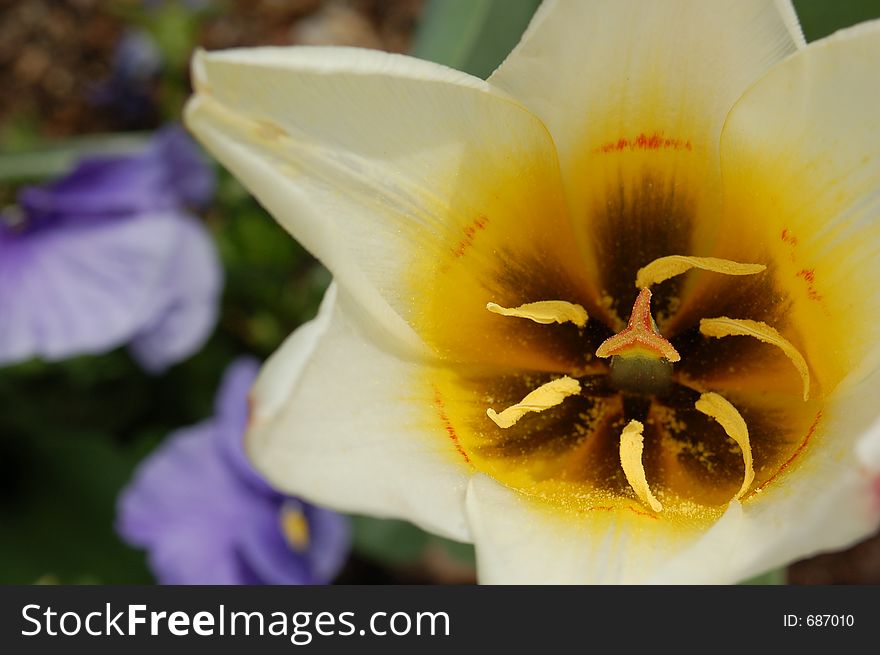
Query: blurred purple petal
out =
(169, 173)
(187, 313)
(273, 557)
(81, 290)
(329, 529)
(268, 555)
(232, 416)
(108, 254)
(186, 168)
(186, 508)
(194, 506)
(111, 186)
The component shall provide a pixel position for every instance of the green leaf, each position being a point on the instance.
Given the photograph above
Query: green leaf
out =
(54, 158)
(272, 283)
(774, 577)
(387, 540)
(472, 35)
(458, 551)
(58, 509)
(820, 17)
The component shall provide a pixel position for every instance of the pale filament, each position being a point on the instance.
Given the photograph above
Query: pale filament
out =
(667, 267)
(544, 312)
(632, 445)
(726, 327)
(717, 407)
(544, 397)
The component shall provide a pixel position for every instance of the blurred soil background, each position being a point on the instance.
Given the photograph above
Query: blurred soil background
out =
(55, 54)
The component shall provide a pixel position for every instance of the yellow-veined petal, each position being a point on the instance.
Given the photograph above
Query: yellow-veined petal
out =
(801, 161)
(519, 542)
(424, 216)
(627, 84)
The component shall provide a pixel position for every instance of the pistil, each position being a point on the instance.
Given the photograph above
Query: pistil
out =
(641, 358)
(640, 338)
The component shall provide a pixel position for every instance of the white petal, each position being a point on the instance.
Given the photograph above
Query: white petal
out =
(600, 71)
(789, 16)
(519, 541)
(357, 431)
(801, 161)
(373, 161)
(283, 369)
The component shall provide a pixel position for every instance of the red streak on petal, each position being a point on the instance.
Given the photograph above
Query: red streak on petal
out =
(447, 424)
(642, 513)
(470, 232)
(794, 455)
(653, 141)
(809, 276)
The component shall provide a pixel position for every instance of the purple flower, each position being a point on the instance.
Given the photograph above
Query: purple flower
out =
(206, 517)
(108, 256)
(130, 88)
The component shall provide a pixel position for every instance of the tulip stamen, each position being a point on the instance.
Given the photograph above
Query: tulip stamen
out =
(544, 397)
(719, 408)
(725, 327)
(545, 312)
(632, 445)
(667, 267)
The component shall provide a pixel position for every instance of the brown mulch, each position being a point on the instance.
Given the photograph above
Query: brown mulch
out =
(53, 53)
(857, 565)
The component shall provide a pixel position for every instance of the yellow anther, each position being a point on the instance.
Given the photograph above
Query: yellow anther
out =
(545, 312)
(726, 327)
(544, 397)
(632, 445)
(666, 267)
(718, 407)
(295, 527)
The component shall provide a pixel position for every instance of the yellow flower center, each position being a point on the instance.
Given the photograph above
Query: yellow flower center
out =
(641, 366)
(610, 373)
